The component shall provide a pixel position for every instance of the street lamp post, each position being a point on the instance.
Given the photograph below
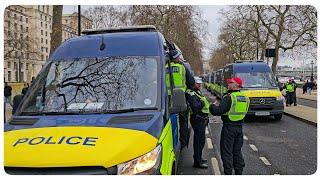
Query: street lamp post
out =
(311, 79)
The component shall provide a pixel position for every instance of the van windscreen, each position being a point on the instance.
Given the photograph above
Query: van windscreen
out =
(257, 79)
(94, 85)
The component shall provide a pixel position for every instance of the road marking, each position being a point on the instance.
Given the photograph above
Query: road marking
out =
(209, 143)
(253, 147)
(245, 137)
(265, 161)
(215, 166)
(207, 131)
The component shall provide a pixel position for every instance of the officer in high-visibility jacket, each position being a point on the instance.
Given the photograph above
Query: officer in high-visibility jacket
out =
(182, 79)
(199, 120)
(290, 92)
(232, 109)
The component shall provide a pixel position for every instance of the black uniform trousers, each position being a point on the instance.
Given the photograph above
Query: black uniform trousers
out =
(289, 98)
(230, 147)
(184, 129)
(198, 124)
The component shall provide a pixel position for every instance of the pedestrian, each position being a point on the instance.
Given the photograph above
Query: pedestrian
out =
(289, 86)
(182, 79)
(304, 87)
(7, 93)
(232, 109)
(199, 120)
(25, 88)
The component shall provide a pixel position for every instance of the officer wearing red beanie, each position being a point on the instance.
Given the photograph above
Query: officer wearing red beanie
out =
(232, 109)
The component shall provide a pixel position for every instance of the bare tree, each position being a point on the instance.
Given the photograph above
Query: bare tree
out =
(289, 26)
(180, 24)
(108, 16)
(247, 28)
(56, 36)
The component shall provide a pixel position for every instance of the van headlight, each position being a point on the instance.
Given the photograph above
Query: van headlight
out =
(279, 98)
(142, 163)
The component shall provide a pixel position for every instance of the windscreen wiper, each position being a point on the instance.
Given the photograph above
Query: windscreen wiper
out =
(126, 110)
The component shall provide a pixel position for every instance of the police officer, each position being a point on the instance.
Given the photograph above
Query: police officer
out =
(199, 119)
(182, 79)
(233, 108)
(290, 92)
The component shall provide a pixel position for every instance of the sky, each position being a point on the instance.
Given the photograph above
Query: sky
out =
(211, 15)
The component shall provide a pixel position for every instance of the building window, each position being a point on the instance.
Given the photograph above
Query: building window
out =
(9, 64)
(9, 75)
(42, 57)
(46, 41)
(41, 16)
(46, 25)
(14, 65)
(27, 55)
(21, 27)
(27, 20)
(45, 17)
(22, 55)
(46, 49)
(27, 29)
(27, 37)
(21, 36)
(41, 32)
(41, 40)
(27, 66)
(9, 34)
(42, 51)
(41, 24)
(46, 33)
(21, 18)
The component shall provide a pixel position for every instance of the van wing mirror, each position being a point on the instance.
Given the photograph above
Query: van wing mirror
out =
(179, 103)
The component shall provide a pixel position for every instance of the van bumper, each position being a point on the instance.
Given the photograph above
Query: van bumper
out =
(274, 109)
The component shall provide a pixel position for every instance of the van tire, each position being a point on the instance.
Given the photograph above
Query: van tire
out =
(278, 117)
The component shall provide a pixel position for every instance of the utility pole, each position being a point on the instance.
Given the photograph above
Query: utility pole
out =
(79, 20)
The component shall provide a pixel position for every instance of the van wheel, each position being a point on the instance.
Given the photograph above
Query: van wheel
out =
(278, 117)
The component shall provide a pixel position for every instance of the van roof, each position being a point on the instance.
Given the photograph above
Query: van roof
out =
(251, 67)
(116, 44)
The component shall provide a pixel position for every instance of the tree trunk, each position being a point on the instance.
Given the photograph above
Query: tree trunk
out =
(56, 36)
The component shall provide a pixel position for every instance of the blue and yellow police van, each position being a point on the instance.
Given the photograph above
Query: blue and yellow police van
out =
(99, 106)
(259, 86)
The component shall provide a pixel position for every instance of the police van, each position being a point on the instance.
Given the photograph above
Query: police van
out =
(259, 85)
(99, 106)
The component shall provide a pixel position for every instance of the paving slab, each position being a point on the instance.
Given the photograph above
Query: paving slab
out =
(305, 113)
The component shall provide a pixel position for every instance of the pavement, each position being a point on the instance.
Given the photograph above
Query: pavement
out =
(306, 110)
(313, 95)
